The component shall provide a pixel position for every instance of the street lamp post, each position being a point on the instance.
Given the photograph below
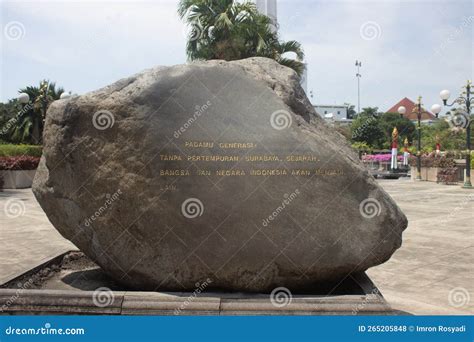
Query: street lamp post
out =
(463, 120)
(358, 64)
(26, 105)
(419, 111)
(402, 110)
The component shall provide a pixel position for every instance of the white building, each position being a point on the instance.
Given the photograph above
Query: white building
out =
(334, 113)
(269, 8)
(304, 79)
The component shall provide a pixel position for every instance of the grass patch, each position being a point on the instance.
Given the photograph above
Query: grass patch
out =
(11, 150)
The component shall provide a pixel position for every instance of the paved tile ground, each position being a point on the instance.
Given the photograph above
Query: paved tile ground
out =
(27, 238)
(432, 273)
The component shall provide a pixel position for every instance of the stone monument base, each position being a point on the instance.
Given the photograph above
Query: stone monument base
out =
(63, 302)
(69, 286)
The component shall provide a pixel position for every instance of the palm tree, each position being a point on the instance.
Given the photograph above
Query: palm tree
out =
(30, 119)
(230, 30)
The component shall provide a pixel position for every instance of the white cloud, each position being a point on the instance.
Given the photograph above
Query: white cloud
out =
(421, 47)
(89, 43)
(400, 61)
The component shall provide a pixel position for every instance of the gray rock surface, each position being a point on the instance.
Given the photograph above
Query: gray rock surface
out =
(216, 173)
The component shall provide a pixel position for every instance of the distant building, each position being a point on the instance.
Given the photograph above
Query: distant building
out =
(304, 78)
(333, 113)
(426, 117)
(269, 8)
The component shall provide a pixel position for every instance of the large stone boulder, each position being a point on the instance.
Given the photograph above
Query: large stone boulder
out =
(214, 171)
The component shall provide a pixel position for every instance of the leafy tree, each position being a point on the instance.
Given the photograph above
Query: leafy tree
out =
(366, 129)
(449, 138)
(231, 30)
(7, 111)
(374, 130)
(30, 120)
(370, 111)
(351, 113)
(406, 128)
(8, 114)
(362, 146)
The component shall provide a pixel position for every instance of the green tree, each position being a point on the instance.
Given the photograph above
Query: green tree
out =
(351, 113)
(230, 30)
(29, 123)
(366, 129)
(370, 111)
(406, 128)
(8, 111)
(449, 138)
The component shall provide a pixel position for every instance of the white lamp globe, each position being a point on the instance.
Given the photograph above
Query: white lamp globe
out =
(64, 96)
(23, 98)
(436, 108)
(402, 110)
(444, 94)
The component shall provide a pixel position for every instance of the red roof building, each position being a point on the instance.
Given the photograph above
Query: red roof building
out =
(409, 105)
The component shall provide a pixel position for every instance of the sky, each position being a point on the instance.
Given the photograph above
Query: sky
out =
(407, 48)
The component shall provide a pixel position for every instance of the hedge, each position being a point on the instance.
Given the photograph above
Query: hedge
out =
(432, 160)
(10, 150)
(19, 163)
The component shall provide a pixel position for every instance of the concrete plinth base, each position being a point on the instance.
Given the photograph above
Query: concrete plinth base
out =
(107, 302)
(60, 302)
(17, 179)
